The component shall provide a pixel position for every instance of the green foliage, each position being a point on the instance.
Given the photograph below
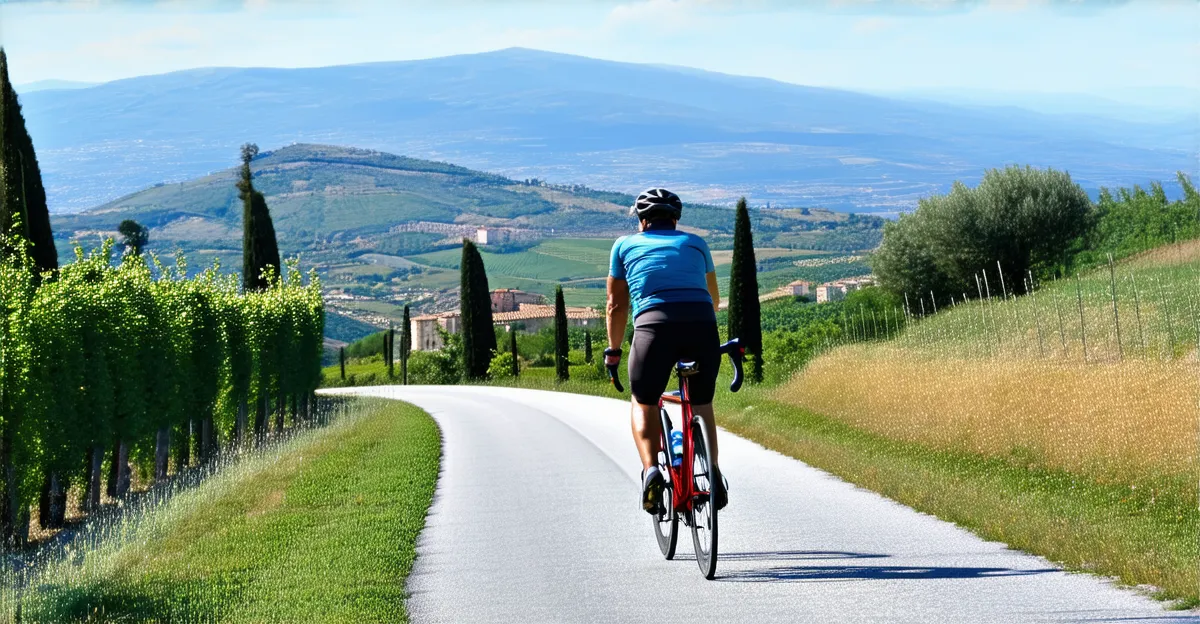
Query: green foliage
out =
(744, 321)
(502, 366)
(562, 347)
(512, 352)
(1135, 220)
(370, 345)
(442, 367)
(1024, 218)
(23, 210)
(260, 250)
(110, 352)
(135, 234)
(478, 332)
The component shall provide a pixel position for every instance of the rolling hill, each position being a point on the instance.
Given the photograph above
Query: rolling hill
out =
(383, 230)
(531, 114)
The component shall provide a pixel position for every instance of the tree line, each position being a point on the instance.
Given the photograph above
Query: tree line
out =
(1020, 226)
(114, 365)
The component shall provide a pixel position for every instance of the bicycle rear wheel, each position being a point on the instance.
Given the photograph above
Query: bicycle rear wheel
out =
(704, 508)
(666, 526)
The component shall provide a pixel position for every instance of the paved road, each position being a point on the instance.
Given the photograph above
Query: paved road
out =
(536, 519)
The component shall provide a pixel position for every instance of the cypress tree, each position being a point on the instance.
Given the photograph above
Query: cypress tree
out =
(259, 247)
(587, 347)
(22, 196)
(342, 361)
(405, 346)
(390, 347)
(562, 369)
(512, 348)
(136, 235)
(479, 338)
(744, 315)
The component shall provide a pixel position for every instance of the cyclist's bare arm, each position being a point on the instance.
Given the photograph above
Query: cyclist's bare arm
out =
(618, 311)
(714, 290)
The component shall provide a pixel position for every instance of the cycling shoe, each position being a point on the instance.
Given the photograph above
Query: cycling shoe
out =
(652, 492)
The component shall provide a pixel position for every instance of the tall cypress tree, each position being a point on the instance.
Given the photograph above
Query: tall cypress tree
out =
(405, 346)
(512, 348)
(587, 347)
(744, 316)
(389, 356)
(479, 338)
(22, 196)
(562, 368)
(259, 247)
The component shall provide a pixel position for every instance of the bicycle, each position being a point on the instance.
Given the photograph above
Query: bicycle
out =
(691, 500)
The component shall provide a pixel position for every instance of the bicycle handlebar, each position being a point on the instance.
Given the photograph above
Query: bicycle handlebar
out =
(736, 352)
(733, 348)
(615, 377)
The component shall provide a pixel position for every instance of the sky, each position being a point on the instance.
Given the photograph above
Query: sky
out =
(1101, 48)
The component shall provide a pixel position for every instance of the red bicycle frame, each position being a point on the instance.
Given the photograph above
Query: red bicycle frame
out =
(683, 483)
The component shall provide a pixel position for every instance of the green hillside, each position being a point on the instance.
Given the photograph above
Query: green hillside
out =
(384, 230)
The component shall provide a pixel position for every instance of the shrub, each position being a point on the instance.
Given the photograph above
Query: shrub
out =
(501, 366)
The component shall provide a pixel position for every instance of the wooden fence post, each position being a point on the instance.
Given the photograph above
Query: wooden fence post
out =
(1082, 329)
(1112, 279)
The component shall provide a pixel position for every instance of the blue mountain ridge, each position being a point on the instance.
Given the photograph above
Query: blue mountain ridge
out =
(570, 119)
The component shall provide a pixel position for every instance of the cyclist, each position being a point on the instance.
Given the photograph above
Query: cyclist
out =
(667, 276)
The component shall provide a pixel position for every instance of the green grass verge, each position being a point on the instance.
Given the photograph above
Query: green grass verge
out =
(323, 532)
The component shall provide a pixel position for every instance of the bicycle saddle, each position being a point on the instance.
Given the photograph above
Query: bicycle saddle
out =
(687, 369)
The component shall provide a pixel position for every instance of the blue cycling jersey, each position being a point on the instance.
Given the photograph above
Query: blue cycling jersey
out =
(662, 266)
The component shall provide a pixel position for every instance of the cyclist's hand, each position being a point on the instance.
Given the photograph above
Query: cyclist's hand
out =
(612, 357)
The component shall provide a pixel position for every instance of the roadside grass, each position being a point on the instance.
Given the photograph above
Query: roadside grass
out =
(324, 530)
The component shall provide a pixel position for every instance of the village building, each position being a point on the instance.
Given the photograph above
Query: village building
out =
(534, 317)
(798, 288)
(836, 291)
(510, 308)
(425, 335)
(510, 299)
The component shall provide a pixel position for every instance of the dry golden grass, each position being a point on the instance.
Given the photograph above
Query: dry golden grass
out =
(1123, 422)
(1187, 252)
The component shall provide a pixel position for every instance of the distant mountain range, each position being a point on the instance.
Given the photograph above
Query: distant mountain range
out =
(530, 114)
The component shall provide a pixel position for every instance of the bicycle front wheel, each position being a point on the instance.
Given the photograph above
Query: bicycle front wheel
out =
(666, 526)
(704, 508)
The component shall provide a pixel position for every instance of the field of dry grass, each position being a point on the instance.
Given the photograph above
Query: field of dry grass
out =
(1132, 422)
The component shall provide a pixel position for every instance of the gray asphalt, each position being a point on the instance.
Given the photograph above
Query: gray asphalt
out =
(536, 519)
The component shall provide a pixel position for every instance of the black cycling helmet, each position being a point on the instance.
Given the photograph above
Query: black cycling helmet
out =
(656, 202)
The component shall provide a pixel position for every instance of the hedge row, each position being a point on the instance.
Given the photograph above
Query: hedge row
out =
(106, 365)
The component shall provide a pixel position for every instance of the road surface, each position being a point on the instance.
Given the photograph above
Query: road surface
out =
(536, 519)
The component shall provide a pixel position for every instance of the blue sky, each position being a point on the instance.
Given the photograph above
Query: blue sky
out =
(1099, 48)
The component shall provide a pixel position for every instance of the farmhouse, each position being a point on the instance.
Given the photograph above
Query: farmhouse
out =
(831, 291)
(836, 291)
(798, 288)
(510, 307)
(510, 299)
(425, 335)
(534, 317)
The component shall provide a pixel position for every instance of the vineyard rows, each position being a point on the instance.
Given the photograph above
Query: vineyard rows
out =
(116, 372)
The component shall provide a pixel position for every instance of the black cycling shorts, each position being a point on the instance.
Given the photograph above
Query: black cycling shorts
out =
(667, 334)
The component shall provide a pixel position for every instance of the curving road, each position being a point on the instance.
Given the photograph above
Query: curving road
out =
(536, 519)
